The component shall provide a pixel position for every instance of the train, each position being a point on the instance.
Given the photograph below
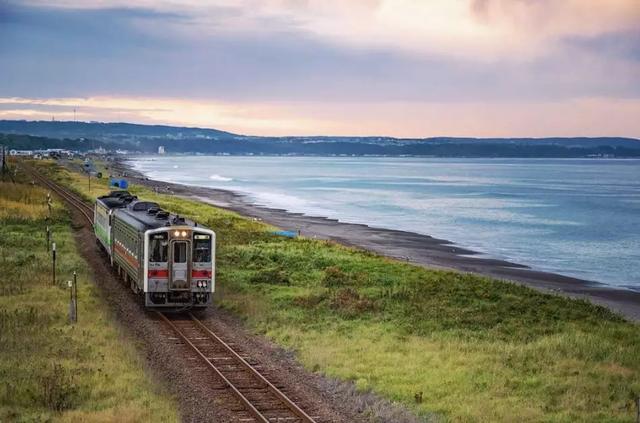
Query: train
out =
(166, 259)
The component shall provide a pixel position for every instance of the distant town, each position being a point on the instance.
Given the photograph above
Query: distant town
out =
(52, 139)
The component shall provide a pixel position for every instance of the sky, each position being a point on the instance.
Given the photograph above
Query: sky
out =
(405, 68)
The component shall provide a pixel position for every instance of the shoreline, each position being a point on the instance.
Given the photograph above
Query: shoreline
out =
(418, 249)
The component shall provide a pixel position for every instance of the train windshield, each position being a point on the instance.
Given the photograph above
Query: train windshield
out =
(180, 252)
(158, 248)
(201, 248)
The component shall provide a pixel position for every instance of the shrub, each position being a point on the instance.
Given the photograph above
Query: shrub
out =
(272, 276)
(58, 390)
(350, 303)
(334, 276)
(308, 301)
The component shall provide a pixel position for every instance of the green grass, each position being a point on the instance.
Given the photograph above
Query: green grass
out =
(472, 348)
(51, 370)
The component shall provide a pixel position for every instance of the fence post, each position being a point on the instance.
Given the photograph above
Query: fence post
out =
(75, 296)
(73, 300)
(53, 262)
(70, 286)
(49, 203)
(48, 237)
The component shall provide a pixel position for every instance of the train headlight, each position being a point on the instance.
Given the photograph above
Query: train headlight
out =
(183, 233)
(177, 233)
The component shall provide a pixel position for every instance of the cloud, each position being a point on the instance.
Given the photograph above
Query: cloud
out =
(585, 117)
(274, 65)
(472, 29)
(84, 51)
(250, 118)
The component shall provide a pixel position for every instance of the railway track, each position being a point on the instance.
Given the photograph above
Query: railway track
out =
(263, 401)
(65, 194)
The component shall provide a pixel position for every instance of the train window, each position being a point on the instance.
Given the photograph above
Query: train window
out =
(201, 248)
(180, 252)
(158, 248)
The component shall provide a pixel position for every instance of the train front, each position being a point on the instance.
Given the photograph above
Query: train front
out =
(179, 267)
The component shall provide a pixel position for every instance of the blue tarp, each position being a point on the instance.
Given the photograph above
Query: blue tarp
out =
(288, 234)
(119, 183)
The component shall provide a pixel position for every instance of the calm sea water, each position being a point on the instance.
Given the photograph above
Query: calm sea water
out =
(575, 217)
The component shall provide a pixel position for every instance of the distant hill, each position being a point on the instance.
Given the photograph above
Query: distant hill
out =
(104, 131)
(146, 139)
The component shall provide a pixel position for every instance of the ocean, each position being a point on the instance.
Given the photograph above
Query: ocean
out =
(576, 217)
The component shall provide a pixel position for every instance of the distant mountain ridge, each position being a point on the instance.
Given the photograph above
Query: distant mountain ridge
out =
(176, 139)
(101, 130)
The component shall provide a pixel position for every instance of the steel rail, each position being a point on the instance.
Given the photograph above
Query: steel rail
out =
(226, 381)
(69, 195)
(273, 389)
(64, 192)
(71, 198)
(278, 393)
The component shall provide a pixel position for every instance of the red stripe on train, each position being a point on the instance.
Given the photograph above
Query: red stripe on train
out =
(201, 273)
(158, 273)
(126, 256)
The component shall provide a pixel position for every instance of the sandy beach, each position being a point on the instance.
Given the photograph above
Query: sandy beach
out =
(407, 246)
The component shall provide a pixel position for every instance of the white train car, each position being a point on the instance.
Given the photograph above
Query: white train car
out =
(165, 258)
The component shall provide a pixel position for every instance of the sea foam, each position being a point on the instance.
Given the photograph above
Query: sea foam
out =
(220, 178)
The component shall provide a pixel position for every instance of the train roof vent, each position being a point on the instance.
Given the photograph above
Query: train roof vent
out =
(145, 205)
(178, 219)
(128, 198)
(161, 215)
(119, 194)
(153, 210)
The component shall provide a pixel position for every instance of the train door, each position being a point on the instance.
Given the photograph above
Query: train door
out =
(180, 259)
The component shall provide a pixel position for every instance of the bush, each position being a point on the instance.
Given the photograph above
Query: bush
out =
(350, 303)
(58, 390)
(308, 301)
(272, 276)
(334, 276)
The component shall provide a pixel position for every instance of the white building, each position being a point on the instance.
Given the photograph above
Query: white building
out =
(161, 149)
(20, 152)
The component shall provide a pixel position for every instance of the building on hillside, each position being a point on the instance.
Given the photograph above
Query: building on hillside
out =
(161, 149)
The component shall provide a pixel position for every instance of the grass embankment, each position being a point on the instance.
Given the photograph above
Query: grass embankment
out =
(51, 370)
(448, 344)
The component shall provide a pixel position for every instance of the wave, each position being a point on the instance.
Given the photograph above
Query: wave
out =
(220, 178)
